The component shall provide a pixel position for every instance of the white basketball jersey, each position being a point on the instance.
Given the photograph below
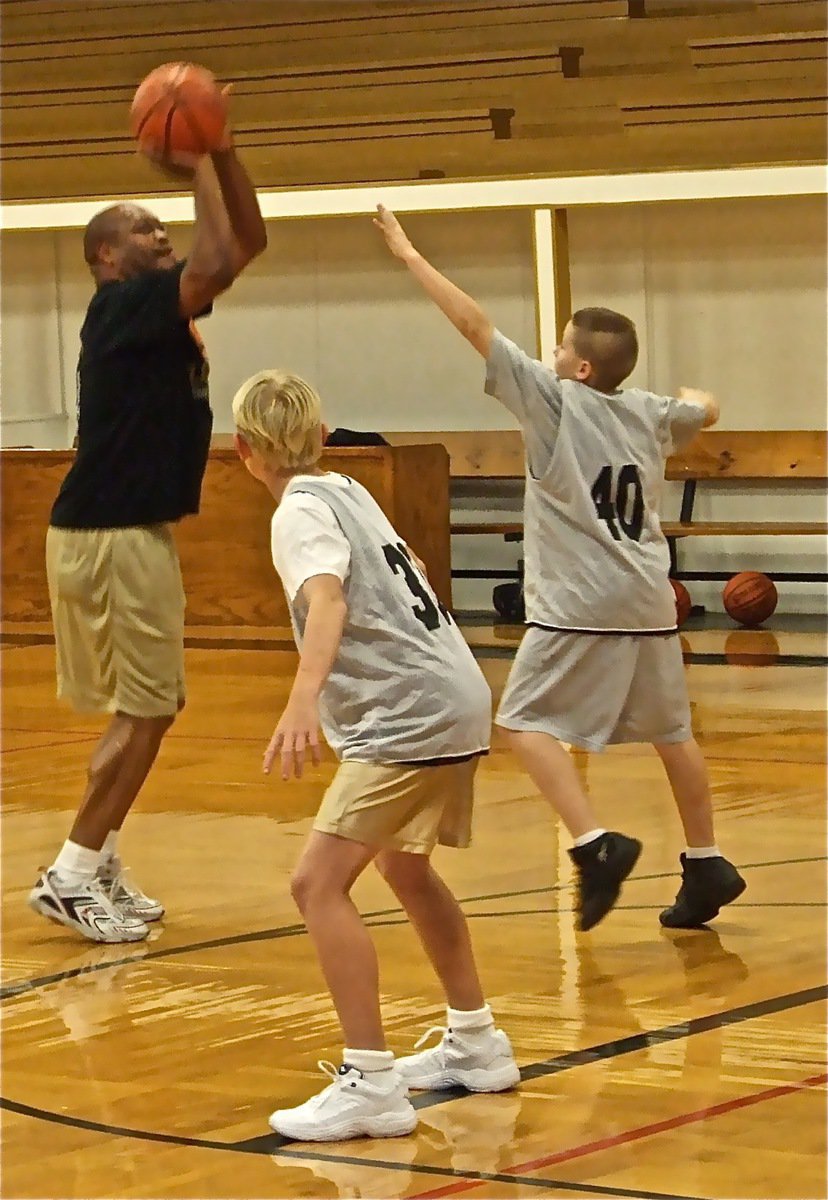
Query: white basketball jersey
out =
(405, 686)
(596, 559)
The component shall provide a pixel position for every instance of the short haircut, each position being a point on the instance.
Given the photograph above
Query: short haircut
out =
(279, 416)
(105, 228)
(608, 342)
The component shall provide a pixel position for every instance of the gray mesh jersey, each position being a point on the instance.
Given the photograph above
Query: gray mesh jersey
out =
(405, 687)
(596, 559)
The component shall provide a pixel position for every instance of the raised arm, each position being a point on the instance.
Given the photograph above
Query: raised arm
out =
(229, 230)
(463, 312)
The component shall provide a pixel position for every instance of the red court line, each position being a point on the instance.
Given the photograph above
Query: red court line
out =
(631, 1135)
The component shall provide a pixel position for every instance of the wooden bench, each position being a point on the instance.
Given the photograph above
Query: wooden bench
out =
(777, 458)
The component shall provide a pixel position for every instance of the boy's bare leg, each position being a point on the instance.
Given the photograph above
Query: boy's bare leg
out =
(556, 777)
(321, 884)
(439, 922)
(602, 859)
(708, 881)
(472, 1052)
(687, 772)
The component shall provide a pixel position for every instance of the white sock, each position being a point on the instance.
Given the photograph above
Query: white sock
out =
(586, 838)
(370, 1062)
(703, 852)
(470, 1023)
(76, 864)
(110, 847)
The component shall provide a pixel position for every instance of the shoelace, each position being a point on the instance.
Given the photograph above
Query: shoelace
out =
(97, 889)
(327, 1068)
(119, 884)
(441, 1029)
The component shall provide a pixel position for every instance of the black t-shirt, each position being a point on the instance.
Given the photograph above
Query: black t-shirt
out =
(144, 419)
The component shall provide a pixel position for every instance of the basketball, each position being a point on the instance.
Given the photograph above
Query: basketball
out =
(749, 597)
(178, 107)
(683, 601)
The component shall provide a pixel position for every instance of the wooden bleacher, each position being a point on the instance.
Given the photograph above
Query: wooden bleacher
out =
(776, 458)
(355, 92)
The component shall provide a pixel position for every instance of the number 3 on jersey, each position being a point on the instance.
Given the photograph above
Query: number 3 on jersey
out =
(426, 611)
(622, 501)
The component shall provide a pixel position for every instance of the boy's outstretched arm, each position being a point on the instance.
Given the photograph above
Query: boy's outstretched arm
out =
(463, 312)
(298, 727)
(707, 401)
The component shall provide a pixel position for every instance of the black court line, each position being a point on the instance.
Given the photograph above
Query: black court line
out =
(19, 988)
(694, 658)
(27, 1110)
(505, 651)
(545, 912)
(274, 1144)
(778, 660)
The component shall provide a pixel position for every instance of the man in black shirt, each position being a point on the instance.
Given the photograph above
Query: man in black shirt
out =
(114, 579)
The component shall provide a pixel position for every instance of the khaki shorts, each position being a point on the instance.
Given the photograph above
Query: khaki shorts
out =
(118, 611)
(400, 807)
(595, 690)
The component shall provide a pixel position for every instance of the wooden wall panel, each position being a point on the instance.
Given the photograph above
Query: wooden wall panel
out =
(225, 551)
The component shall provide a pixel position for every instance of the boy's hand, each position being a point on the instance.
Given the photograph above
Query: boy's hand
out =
(695, 396)
(297, 732)
(707, 401)
(395, 236)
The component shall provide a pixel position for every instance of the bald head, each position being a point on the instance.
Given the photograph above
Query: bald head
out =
(106, 227)
(123, 240)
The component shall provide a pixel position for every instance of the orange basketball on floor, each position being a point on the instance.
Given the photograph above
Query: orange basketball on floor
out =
(749, 597)
(178, 107)
(683, 601)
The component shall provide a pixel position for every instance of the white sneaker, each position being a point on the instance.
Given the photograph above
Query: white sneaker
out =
(86, 908)
(125, 895)
(351, 1106)
(485, 1064)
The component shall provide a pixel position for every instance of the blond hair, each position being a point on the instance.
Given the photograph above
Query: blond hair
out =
(279, 417)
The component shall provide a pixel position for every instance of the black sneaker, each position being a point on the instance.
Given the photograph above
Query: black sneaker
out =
(602, 867)
(707, 884)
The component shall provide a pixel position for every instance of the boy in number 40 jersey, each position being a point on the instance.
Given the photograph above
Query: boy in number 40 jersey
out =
(601, 661)
(405, 707)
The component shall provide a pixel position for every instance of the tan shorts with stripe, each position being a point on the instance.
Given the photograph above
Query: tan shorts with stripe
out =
(400, 806)
(118, 611)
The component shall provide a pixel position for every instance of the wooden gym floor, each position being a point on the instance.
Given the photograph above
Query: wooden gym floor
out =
(655, 1064)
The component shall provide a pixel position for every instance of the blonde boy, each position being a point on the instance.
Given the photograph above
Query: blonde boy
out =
(385, 672)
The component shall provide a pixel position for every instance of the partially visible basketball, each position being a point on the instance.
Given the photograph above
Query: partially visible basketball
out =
(178, 107)
(749, 597)
(683, 601)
